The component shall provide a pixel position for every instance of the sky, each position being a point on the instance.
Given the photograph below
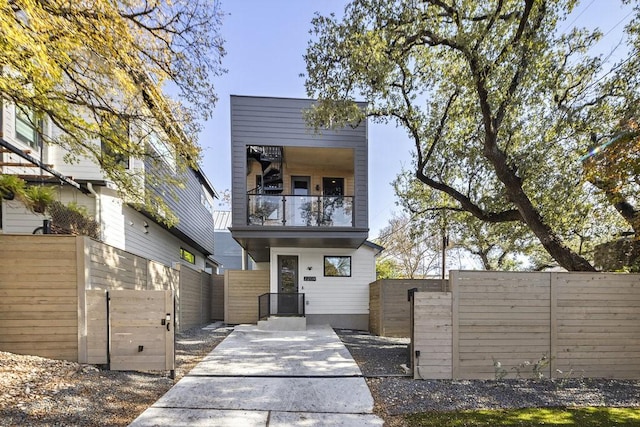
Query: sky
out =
(265, 42)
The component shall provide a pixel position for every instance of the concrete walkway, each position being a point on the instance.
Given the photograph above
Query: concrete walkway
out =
(269, 378)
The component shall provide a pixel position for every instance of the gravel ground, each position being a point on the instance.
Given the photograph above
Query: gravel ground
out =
(41, 392)
(380, 359)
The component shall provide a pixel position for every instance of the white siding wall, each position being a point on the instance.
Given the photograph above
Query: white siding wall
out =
(330, 295)
(17, 219)
(158, 244)
(68, 194)
(83, 167)
(111, 218)
(124, 228)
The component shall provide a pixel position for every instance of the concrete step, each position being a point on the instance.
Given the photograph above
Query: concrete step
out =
(283, 323)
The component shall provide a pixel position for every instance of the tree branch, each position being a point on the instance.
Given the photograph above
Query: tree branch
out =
(467, 204)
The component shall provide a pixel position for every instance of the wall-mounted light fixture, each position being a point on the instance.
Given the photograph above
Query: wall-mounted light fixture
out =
(146, 227)
(309, 268)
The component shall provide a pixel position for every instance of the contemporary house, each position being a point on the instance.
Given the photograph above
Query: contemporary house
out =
(82, 183)
(300, 210)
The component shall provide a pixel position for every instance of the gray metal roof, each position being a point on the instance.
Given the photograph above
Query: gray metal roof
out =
(221, 220)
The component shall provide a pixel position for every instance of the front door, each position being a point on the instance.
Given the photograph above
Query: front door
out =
(287, 285)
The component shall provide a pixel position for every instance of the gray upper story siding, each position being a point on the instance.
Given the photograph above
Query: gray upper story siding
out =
(279, 122)
(195, 222)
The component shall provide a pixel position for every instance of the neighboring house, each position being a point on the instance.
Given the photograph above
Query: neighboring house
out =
(228, 252)
(83, 183)
(300, 208)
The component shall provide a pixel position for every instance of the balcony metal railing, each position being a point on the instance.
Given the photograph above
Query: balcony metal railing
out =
(300, 211)
(282, 304)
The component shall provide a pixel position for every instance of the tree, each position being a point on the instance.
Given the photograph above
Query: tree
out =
(499, 246)
(413, 253)
(495, 246)
(498, 103)
(386, 269)
(97, 71)
(614, 168)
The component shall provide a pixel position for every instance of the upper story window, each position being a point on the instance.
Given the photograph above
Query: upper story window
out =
(28, 126)
(333, 186)
(115, 130)
(162, 150)
(206, 199)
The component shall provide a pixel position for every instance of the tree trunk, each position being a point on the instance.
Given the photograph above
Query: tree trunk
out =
(485, 259)
(513, 185)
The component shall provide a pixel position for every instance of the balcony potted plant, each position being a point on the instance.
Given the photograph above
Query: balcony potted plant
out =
(11, 186)
(39, 197)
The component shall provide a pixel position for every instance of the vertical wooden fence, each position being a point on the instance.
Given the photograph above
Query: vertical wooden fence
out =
(52, 293)
(432, 338)
(195, 298)
(389, 306)
(241, 291)
(39, 286)
(585, 324)
(217, 297)
(502, 316)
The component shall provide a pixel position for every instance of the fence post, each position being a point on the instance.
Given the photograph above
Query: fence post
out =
(553, 342)
(454, 282)
(411, 299)
(83, 265)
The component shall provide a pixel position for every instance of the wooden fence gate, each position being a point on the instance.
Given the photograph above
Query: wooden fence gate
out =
(131, 330)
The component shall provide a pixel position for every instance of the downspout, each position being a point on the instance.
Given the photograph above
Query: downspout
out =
(98, 207)
(244, 259)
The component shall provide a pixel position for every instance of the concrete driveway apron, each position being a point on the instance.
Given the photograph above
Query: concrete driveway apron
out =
(269, 378)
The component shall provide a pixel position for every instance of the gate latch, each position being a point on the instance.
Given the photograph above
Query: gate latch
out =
(167, 321)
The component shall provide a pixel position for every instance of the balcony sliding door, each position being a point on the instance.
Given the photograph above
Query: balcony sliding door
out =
(300, 209)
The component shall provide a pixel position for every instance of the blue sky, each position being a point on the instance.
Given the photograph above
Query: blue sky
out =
(265, 43)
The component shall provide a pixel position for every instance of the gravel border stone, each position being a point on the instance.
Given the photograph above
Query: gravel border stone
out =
(380, 359)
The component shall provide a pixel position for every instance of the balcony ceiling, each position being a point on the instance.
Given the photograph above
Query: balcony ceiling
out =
(257, 240)
(340, 159)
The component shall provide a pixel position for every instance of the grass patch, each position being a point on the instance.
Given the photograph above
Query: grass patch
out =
(562, 417)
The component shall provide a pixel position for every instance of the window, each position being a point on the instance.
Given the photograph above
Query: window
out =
(27, 124)
(187, 256)
(206, 199)
(115, 137)
(333, 186)
(337, 266)
(161, 148)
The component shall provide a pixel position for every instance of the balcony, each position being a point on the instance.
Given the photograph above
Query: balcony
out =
(299, 211)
